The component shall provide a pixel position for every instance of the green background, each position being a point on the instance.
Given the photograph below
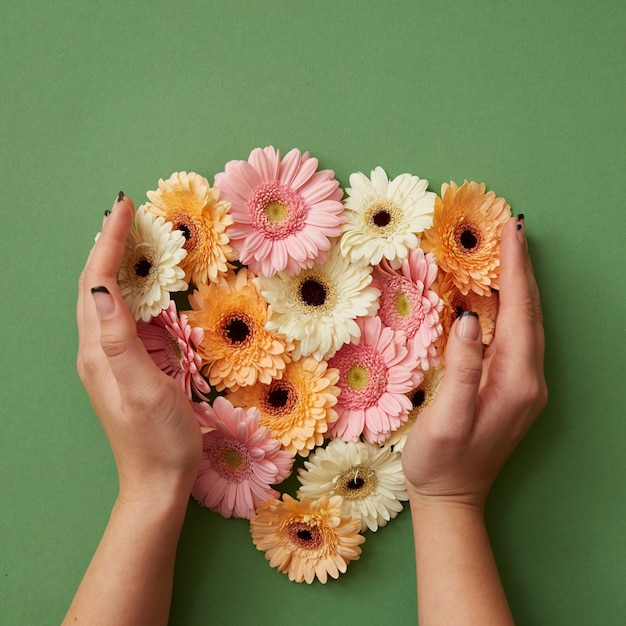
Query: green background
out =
(526, 96)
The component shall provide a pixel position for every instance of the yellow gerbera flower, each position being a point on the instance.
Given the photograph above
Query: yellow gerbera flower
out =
(236, 349)
(193, 207)
(465, 235)
(297, 408)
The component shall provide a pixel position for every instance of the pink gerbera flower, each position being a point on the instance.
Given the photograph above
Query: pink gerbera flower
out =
(283, 211)
(408, 303)
(239, 460)
(374, 376)
(172, 343)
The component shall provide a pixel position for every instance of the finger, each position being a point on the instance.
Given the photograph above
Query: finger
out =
(103, 265)
(518, 327)
(453, 409)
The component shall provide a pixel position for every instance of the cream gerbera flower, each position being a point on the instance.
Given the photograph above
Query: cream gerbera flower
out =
(237, 350)
(318, 307)
(306, 539)
(150, 269)
(368, 479)
(421, 397)
(188, 201)
(385, 217)
(465, 235)
(296, 408)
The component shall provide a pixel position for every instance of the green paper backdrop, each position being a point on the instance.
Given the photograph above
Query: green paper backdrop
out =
(526, 96)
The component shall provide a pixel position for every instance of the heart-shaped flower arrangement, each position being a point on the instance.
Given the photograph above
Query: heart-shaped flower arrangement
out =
(307, 322)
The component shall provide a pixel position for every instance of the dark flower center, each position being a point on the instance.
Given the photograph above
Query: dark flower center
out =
(185, 230)
(418, 398)
(313, 292)
(143, 267)
(468, 239)
(355, 484)
(236, 330)
(304, 535)
(381, 218)
(278, 397)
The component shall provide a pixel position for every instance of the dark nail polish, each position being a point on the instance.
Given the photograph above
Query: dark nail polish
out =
(107, 213)
(120, 196)
(472, 313)
(519, 227)
(99, 289)
(519, 217)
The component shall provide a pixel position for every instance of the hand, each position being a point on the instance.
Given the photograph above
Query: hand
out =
(145, 414)
(485, 403)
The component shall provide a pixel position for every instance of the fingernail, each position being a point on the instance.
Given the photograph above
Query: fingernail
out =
(105, 305)
(468, 327)
(104, 219)
(520, 220)
(120, 196)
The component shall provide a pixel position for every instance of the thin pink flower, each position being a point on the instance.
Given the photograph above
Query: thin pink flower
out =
(284, 211)
(172, 343)
(240, 460)
(374, 376)
(408, 303)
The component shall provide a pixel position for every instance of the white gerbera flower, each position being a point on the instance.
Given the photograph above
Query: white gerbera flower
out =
(317, 308)
(368, 478)
(150, 268)
(385, 218)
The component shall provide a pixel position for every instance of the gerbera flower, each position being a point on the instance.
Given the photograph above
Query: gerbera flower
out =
(151, 269)
(172, 343)
(187, 200)
(284, 211)
(297, 408)
(384, 218)
(368, 479)
(307, 538)
(239, 462)
(408, 303)
(374, 376)
(455, 303)
(237, 350)
(317, 308)
(465, 235)
(421, 397)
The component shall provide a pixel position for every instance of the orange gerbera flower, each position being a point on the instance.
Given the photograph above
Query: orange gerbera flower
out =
(236, 349)
(465, 235)
(188, 201)
(297, 408)
(455, 303)
(307, 538)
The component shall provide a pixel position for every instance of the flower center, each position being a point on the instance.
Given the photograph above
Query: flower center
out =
(356, 482)
(280, 398)
(312, 292)
(190, 229)
(230, 459)
(468, 236)
(403, 304)
(276, 210)
(362, 376)
(142, 267)
(236, 329)
(418, 398)
(381, 217)
(305, 536)
(357, 377)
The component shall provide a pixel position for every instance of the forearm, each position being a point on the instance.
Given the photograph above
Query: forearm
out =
(129, 580)
(457, 578)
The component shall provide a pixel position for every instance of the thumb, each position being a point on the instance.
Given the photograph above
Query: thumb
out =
(455, 403)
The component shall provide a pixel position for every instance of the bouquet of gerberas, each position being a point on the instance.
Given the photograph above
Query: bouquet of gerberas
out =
(309, 325)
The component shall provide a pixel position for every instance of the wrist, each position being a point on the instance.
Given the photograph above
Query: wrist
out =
(445, 503)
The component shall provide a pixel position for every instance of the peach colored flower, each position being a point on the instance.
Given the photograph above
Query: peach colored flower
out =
(465, 235)
(308, 538)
